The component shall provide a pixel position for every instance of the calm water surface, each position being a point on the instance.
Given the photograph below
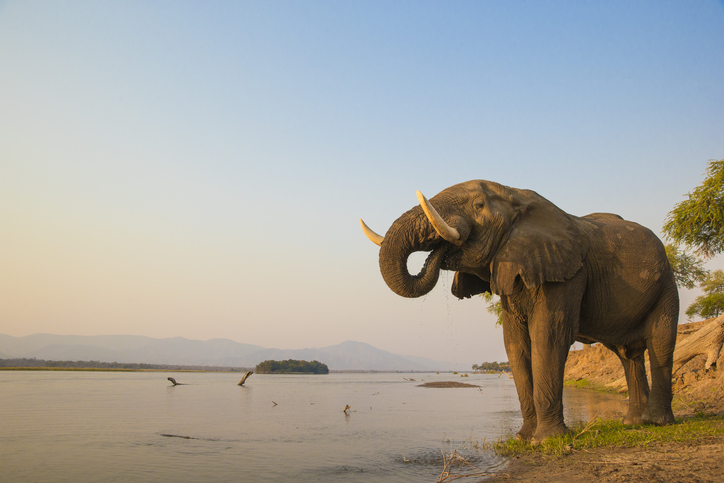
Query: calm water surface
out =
(136, 427)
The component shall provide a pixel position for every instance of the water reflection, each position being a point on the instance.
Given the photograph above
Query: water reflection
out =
(582, 405)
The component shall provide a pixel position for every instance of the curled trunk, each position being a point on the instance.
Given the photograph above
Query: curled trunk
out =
(411, 233)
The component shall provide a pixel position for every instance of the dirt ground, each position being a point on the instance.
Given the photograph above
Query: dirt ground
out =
(671, 462)
(695, 391)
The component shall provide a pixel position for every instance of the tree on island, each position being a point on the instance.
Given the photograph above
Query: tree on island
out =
(494, 366)
(291, 366)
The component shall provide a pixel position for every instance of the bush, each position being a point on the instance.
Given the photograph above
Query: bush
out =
(291, 366)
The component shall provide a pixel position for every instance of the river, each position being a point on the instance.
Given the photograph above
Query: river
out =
(64, 426)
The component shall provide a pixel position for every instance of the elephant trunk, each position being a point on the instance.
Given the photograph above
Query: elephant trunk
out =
(411, 233)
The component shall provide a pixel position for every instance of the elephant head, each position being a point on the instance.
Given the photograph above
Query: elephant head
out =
(495, 238)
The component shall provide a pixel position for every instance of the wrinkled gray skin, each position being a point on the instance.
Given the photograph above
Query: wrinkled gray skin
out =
(560, 279)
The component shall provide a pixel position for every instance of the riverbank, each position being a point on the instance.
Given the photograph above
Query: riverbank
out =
(691, 457)
(696, 461)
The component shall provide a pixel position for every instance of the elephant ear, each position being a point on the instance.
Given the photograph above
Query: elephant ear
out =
(465, 285)
(545, 245)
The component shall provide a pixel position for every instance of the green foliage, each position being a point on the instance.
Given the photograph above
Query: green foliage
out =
(688, 270)
(699, 220)
(711, 304)
(494, 307)
(713, 282)
(291, 366)
(584, 383)
(613, 433)
(492, 367)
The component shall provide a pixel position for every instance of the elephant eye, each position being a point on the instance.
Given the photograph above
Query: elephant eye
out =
(479, 205)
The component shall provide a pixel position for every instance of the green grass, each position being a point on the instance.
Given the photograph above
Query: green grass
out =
(586, 384)
(606, 433)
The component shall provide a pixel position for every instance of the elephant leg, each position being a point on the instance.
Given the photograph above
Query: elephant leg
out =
(661, 325)
(632, 360)
(517, 346)
(638, 388)
(548, 361)
(553, 327)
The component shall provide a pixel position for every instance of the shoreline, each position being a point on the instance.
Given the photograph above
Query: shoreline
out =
(696, 461)
(605, 450)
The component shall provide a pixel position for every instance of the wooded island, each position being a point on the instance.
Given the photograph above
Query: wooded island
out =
(291, 366)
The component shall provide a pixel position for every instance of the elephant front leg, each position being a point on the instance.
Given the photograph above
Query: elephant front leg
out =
(517, 346)
(553, 327)
(548, 366)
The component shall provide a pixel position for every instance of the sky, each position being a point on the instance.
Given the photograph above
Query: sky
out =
(199, 169)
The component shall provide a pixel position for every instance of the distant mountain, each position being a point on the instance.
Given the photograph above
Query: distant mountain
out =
(347, 356)
(123, 348)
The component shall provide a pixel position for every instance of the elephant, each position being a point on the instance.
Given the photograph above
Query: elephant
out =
(561, 279)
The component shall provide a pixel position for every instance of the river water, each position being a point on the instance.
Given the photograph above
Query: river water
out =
(62, 426)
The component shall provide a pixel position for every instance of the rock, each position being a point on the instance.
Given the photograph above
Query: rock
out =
(689, 378)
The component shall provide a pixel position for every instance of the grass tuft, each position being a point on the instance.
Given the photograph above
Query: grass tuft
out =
(607, 433)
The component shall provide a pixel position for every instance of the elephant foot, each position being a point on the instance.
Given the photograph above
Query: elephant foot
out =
(544, 433)
(526, 432)
(633, 418)
(659, 418)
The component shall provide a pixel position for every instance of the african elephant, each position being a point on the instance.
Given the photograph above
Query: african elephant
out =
(560, 278)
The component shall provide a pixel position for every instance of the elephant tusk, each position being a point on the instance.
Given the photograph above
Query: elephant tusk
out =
(443, 229)
(374, 237)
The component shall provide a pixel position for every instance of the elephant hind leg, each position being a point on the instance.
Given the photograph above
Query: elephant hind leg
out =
(658, 410)
(632, 360)
(660, 342)
(638, 388)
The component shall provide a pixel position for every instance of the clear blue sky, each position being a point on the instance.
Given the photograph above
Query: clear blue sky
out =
(198, 169)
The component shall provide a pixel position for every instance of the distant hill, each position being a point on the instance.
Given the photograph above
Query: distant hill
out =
(123, 348)
(347, 356)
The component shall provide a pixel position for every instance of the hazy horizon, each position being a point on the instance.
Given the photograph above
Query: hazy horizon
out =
(198, 170)
(218, 338)
(218, 352)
